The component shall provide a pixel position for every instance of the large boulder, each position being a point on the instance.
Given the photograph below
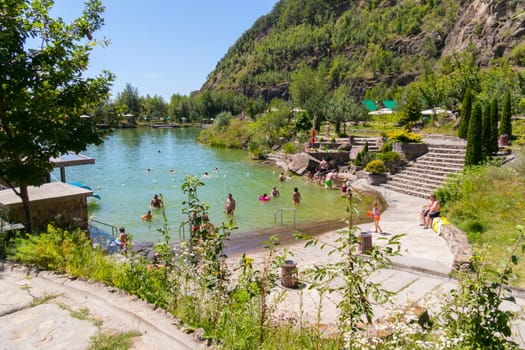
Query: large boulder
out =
(300, 163)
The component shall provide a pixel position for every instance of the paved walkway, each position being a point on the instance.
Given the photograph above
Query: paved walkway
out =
(41, 311)
(420, 275)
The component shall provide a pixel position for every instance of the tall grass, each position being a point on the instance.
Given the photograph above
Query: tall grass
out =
(487, 202)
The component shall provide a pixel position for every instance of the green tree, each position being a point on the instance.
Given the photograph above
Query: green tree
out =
(128, 101)
(155, 107)
(43, 92)
(411, 111)
(486, 132)
(494, 118)
(466, 110)
(309, 91)
(505, 126)
(474, 154)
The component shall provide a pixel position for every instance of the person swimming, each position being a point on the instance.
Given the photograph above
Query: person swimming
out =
(148, 216)
(264, 197)
(156, 202)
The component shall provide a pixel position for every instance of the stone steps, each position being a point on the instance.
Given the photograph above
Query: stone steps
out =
(426, 173)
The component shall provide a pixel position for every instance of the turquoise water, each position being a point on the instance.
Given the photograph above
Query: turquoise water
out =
(121, 178)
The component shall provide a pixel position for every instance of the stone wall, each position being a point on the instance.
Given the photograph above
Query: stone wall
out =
(64, 212)
(59, 203)
(409, 151)
(459, 245)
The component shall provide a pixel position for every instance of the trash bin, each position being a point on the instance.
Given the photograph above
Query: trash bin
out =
(504, 140)
(289, 275)
(365, 244)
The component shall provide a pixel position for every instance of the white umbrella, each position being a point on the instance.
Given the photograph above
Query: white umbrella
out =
(435, 110)
(381, 111)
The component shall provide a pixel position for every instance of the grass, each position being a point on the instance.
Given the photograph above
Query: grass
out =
(490, 204)
(121, 341)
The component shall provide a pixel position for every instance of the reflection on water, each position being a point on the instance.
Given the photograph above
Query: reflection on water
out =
(134, 164)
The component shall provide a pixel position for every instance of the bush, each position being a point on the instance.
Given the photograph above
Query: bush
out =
(387, 147)
(404, 136)
(389, 157)
(290, 148)
(376, 166)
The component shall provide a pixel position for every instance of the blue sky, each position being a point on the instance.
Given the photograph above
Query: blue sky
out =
(163, 47)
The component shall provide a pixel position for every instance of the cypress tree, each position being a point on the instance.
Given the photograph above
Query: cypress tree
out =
(505, 125)
(474, 154)
(486, 132)
(466, 110)
(494, 118)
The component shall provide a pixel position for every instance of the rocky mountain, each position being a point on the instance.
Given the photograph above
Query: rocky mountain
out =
(362, 43)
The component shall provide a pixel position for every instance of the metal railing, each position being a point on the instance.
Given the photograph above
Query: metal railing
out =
(103, 234)
(281, 212)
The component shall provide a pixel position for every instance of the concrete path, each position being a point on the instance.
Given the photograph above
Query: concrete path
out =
(50, 311)
(420, 275)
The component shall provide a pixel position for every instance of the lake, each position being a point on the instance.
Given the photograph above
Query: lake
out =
(132, 165)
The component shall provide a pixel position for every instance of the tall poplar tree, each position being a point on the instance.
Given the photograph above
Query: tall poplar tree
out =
(494, 118)
(486, 132)
(505, 126)
(474, 154)
(466, 110)
(43, 92)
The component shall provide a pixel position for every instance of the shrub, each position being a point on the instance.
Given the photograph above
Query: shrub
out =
(332, 140)
(290, 148)
(404, 136)
(389, 157)
(387, 147)
(376, 166)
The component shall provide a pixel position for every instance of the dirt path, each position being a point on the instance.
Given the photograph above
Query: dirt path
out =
(45, 310)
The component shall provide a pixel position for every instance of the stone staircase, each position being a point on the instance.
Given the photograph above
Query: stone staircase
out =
(424, 174)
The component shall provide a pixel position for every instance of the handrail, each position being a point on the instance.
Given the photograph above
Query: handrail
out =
(282, 210)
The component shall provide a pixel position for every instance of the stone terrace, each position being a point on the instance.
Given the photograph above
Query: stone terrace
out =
(446, 156)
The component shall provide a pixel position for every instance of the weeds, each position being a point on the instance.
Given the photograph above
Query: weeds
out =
(121, 341)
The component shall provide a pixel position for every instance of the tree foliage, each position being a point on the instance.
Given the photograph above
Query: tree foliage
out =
(474, 155)
(505, 127)
(486, 132)
(43, 92)
(466, 110)
(494, 118)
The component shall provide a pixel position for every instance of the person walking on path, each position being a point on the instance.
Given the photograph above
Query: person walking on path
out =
(229, 208)
(376, 214)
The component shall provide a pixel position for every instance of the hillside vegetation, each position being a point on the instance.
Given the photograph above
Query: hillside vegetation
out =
(365, 43)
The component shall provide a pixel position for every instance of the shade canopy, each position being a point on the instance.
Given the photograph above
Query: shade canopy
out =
(381, 111)
(435, 110)
(370, 105)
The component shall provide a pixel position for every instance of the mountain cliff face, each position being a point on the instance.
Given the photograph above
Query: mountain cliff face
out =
(362, 43)
(495, 27)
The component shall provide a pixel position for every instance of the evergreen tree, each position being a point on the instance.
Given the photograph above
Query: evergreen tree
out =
(486, 132)
(505, 126)
(466, 110)
(494, 118)
(362, 157)
(474, 154)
